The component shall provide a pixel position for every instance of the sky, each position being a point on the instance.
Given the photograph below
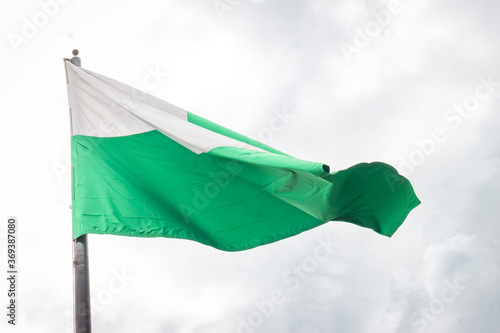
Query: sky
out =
(415, 84)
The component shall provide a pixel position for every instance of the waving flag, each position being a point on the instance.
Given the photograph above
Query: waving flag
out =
(143, 167)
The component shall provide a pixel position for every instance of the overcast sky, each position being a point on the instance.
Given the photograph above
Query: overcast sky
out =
(415, 84)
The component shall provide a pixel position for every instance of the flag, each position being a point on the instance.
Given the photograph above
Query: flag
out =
(146, 168)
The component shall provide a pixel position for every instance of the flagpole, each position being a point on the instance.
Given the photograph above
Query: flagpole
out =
(81, 284)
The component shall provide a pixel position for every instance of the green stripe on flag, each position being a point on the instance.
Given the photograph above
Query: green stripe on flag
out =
(148, 185)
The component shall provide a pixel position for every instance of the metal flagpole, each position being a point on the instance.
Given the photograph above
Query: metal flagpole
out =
(81, 285)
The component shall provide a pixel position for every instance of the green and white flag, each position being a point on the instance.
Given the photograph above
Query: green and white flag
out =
(144, 167)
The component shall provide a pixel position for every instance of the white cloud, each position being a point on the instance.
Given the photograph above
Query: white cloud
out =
(268, 55)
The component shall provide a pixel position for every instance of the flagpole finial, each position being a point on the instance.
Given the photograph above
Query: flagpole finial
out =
(76, 60)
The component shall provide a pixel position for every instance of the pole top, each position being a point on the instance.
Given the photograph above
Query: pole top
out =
(76, 60)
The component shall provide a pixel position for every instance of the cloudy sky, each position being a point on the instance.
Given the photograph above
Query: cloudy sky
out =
(415, 84)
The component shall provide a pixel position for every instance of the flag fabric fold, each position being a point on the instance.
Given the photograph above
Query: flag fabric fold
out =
(144, 167)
